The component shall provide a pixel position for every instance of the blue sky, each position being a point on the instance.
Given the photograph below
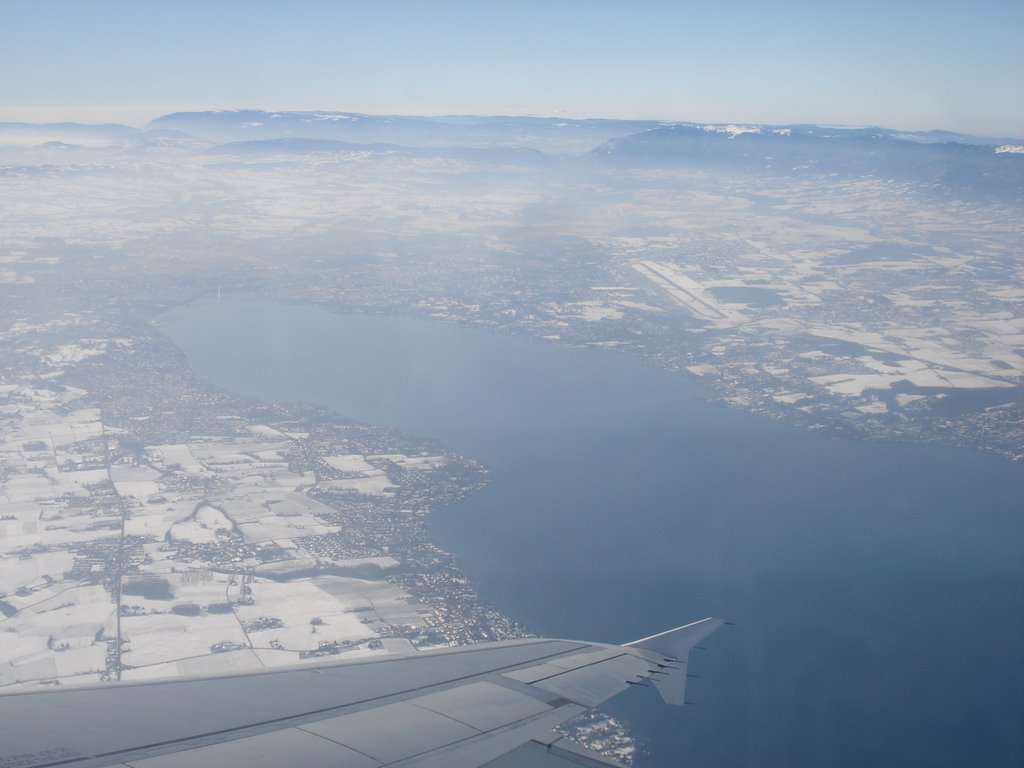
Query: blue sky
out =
(911, 65)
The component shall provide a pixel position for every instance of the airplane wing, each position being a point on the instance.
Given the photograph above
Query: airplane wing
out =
(492, 704)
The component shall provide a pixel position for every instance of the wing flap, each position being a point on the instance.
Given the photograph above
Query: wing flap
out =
(493, 745)
(594, 684)
(392, 732)
(264, 750)
(534, 754)
(483, 706)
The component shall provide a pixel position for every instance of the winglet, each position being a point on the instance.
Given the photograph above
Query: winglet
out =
(676, 644)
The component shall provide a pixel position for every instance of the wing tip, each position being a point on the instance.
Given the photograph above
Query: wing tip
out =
(683, 638)
(676, 644)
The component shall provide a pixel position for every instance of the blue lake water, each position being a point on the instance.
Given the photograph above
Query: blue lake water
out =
(877, 589)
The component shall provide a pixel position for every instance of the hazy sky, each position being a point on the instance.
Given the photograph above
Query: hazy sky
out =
(904, 64)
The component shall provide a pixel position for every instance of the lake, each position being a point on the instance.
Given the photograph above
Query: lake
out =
(877, 589)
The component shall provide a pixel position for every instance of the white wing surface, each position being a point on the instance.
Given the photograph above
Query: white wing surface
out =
(492, 704)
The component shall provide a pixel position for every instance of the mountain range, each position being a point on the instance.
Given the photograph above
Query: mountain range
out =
(941, 161)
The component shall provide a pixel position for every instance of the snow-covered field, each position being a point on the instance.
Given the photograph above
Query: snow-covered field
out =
(178, 616)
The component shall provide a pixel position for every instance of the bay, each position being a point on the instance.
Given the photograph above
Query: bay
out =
(877, 589)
